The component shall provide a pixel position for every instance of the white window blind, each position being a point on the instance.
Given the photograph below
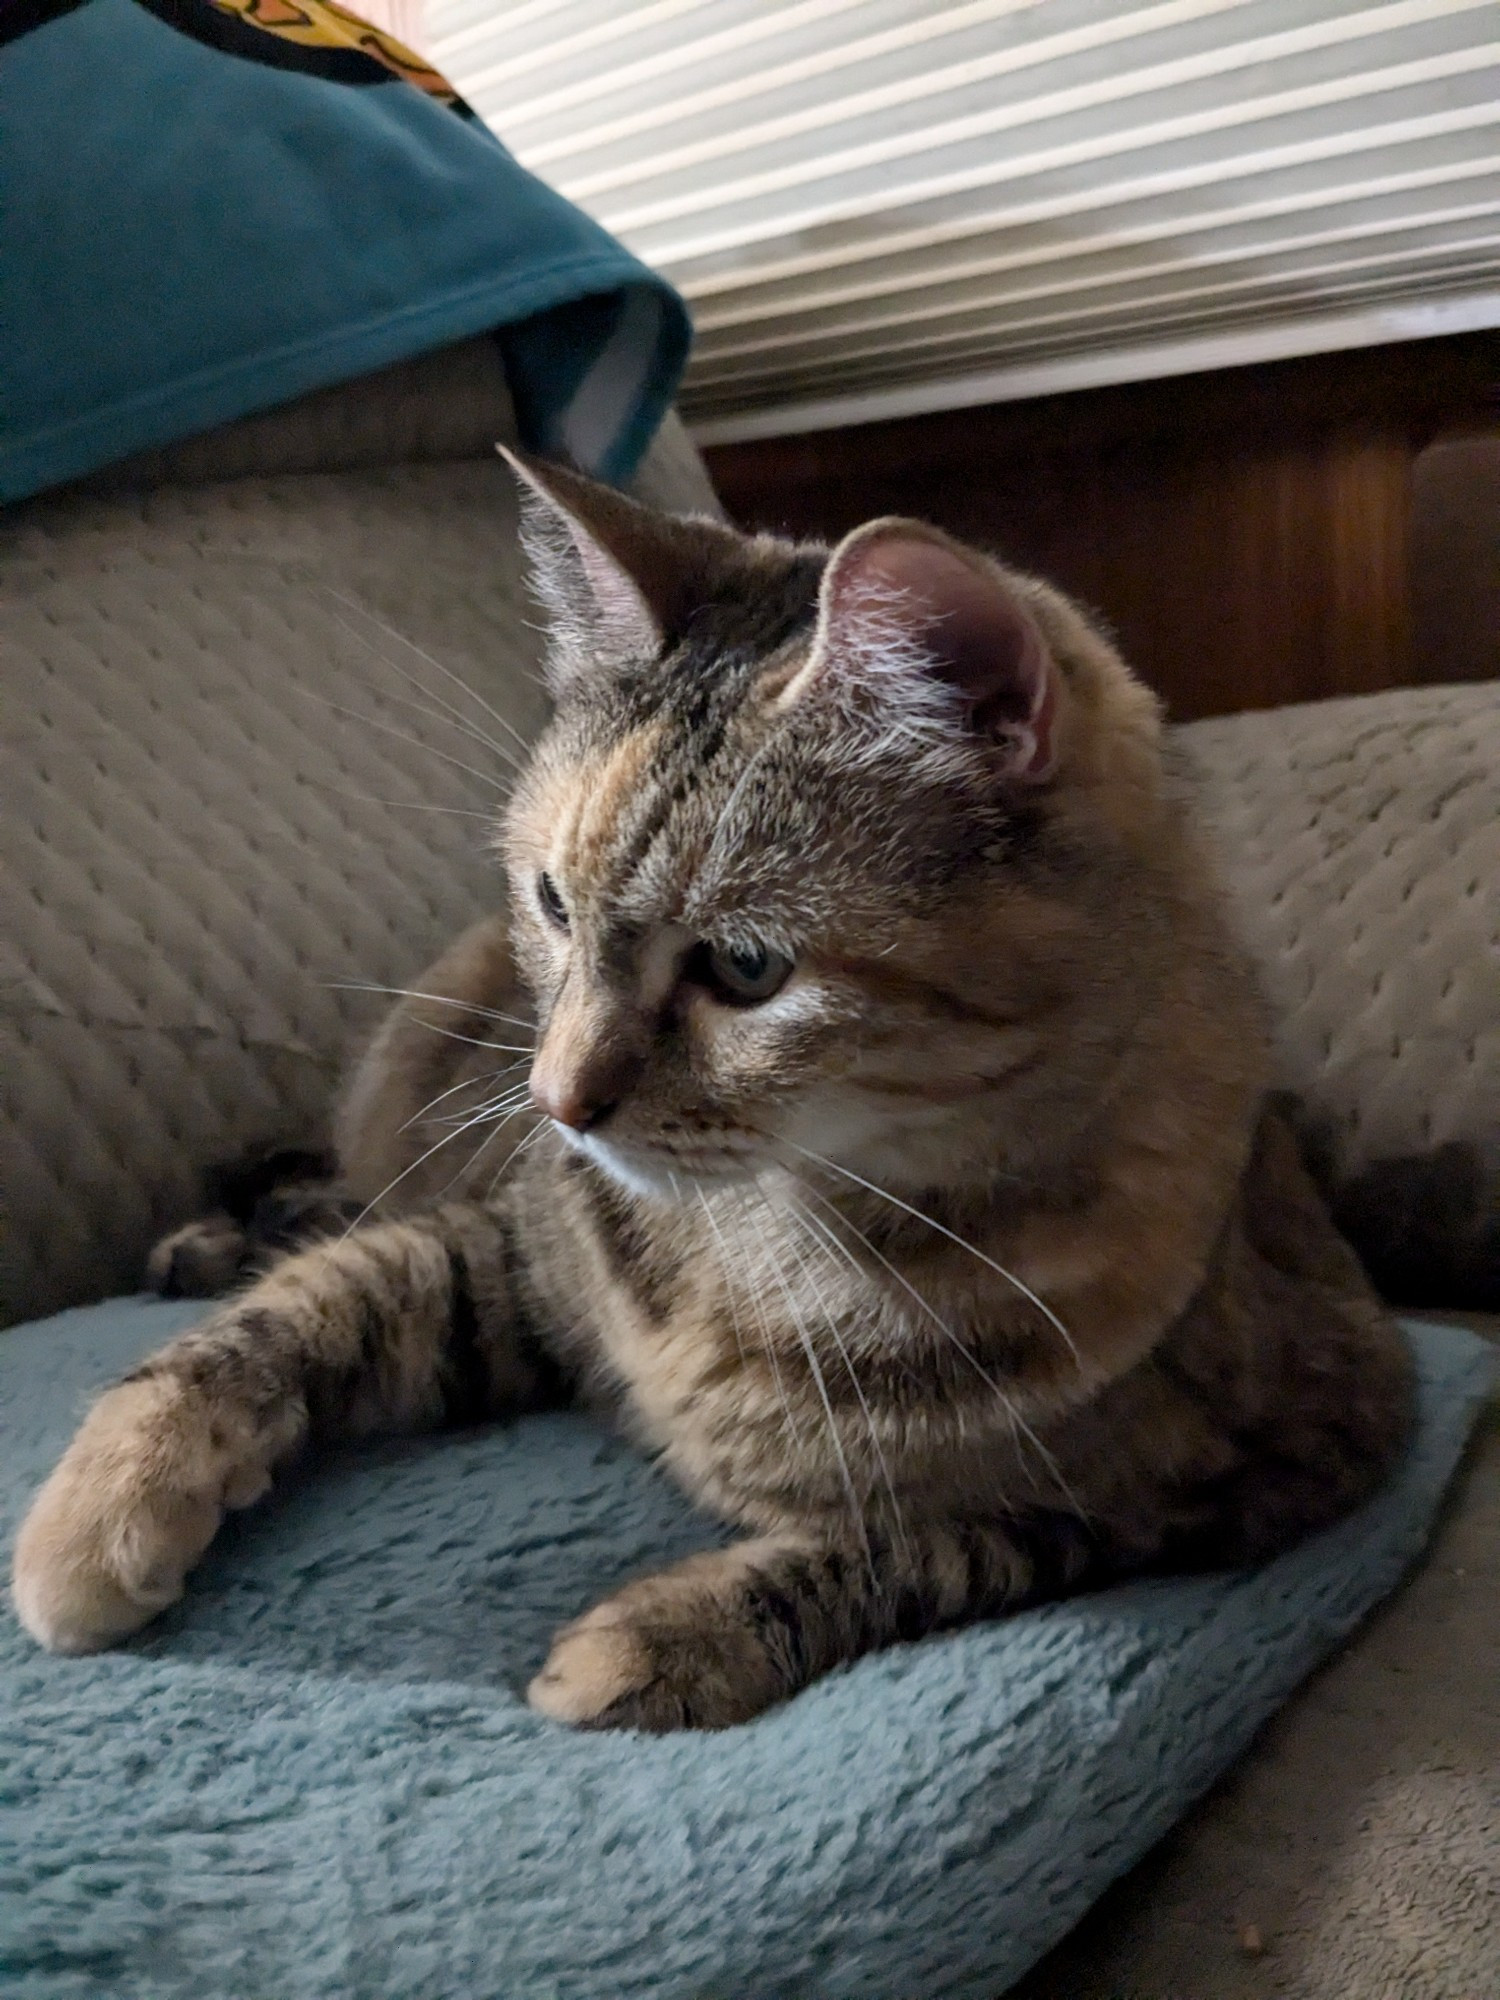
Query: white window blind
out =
(877, 206)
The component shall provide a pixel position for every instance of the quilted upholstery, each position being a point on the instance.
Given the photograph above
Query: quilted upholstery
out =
(223, 795)
(453, 403)
(1360, 843)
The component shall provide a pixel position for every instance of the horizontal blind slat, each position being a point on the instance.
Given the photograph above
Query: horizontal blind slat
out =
(867, 199)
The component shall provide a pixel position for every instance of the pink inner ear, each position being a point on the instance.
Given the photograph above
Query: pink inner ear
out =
(978, 638)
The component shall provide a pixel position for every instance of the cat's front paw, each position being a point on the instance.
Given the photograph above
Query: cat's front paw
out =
(656, 1657)
(198, 1261)
(131, 1506)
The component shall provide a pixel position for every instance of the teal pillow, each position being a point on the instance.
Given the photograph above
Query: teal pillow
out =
(318, 1776)
(210, 209)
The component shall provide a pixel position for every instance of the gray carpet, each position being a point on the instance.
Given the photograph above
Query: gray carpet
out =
(1356, 1850)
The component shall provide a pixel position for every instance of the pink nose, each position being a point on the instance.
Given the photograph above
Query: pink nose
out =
(568, 1101)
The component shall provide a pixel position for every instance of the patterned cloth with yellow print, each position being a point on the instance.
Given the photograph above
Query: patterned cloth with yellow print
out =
(214, 206)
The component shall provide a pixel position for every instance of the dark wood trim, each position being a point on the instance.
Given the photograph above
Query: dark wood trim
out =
(1247, 533)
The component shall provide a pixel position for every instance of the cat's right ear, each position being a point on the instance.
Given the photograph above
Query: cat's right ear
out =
(615, 579)
(940, 641)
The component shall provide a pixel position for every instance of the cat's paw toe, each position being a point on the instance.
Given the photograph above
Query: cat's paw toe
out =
(198, 1261)
(595, 1663)
(612, 1669)
(112, 1534)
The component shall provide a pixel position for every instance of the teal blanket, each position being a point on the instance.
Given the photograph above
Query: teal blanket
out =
(212, 206)
(318, 1780)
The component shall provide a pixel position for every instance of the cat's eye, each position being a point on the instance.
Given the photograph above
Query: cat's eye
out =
(553, 907)
(743, 974)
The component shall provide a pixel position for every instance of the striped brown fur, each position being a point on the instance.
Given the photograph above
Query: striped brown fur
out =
(964, 1268)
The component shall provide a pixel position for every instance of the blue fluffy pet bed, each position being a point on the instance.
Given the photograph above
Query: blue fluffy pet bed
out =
(318, 1777)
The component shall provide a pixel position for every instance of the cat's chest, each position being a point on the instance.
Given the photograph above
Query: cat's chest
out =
(710, 1350)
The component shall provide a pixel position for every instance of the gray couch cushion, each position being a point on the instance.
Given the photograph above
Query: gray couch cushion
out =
(223, 794)
(1360, 847)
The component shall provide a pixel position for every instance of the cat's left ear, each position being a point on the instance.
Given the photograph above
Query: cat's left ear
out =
(903, 606)
(616, 578)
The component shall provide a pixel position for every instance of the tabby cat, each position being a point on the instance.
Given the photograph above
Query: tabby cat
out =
(896, 1164)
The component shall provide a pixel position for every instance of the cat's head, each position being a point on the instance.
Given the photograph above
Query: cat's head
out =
(856, 853)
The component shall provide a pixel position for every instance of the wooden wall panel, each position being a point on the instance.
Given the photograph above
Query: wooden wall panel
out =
(1247, 535)
(1455, 532)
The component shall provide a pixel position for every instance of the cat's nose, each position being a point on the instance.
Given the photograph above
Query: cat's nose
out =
(569, 1101)
(589, 1060)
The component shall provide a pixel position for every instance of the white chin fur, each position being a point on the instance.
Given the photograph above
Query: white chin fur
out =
(632, 1173)
(644, 1173)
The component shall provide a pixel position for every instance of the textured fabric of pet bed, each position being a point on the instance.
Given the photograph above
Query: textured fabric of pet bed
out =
(317, 1777)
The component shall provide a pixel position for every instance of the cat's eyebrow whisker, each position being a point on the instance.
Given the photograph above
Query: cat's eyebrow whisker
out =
(952, 1235)
(435, 708)
(442, 999)
(400, 805)
(450, 716)
(401, 639)
(452, 1035)
(453, 721)
(402, 736)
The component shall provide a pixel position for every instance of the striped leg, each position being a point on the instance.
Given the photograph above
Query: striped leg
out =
(720, 1637)
(397, 1328)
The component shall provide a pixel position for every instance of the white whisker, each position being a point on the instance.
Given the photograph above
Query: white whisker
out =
(410, 1168)
(442, 1000)
(515, 1152)
(505, 1100)
(767, 1338)
(445, 716)
(497, 1122)
(444, 713)
(402, 736)
(464, 1083)
(765, 1332)
(897, 1521)
(401, 805)
(452, 1035)
(943, 1230)
(855, 1505)
(734, 1318)
(427, 659)
(1018, 1423)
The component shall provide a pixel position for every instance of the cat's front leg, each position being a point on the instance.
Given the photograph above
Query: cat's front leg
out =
(400, 1327)
(719, 1638)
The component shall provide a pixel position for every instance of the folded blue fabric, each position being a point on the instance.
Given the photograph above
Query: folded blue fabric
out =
(212, 206)
(317, 1777)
